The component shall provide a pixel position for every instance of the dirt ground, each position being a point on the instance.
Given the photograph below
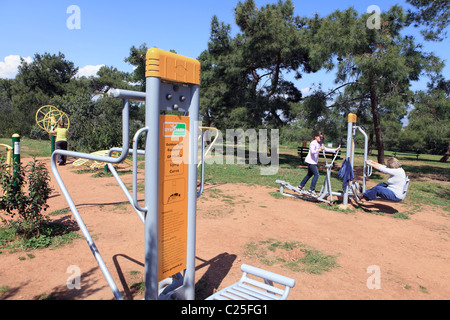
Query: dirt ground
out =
(412, 256)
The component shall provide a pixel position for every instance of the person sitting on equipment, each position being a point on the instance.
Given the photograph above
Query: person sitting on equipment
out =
(393, 189)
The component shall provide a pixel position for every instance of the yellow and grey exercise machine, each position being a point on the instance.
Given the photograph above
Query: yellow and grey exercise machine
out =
(13, 153)
(170, 181)
(326, 193)
(47, 117)
(9, 153)
(13, 157)
(350, 185)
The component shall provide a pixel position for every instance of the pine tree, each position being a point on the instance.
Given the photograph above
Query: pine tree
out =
(375, 66)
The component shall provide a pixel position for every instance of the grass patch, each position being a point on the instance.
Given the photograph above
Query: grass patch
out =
(335, 207)
(423, 289)
(137, 285)
(31, 148)
(429, 178)
(102, 173)
(228, 202)
(400, 215)
(59, 212)
(277, 195)
(53, 235)
(433, 194)
(292, 255)
(5, 289)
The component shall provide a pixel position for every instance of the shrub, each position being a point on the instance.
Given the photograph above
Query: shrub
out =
(25, 208)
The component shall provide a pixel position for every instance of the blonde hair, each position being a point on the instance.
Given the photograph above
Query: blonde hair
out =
(393, 163)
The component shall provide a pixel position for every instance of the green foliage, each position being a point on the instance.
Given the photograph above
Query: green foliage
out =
(35, 84)
(430, 108)
(96, 122)
(25, 195)
(46, 73)
(434, 15)
(295, 133)
(52, 235)
(137, 59)
(375, 67)
(244, 77)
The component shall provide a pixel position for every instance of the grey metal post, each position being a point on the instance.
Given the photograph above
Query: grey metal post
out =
(189, 279)
(151, 192)
(172, 83)
(366, 148)
(350, 150)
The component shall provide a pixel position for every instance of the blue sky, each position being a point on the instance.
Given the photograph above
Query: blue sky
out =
(108, 29)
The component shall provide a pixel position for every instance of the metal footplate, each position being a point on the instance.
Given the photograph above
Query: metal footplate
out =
(322, 196)
(284, 184)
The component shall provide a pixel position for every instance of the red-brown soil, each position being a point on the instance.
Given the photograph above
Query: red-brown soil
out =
(412, 255)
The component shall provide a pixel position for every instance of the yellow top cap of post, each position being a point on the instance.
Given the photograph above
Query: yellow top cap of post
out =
(352, 117)
(172, 67)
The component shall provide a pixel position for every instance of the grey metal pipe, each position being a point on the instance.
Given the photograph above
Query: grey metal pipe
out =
(349, 155)
(152, 116)
(125, 142)
(87, 236)
(202, 181)
(189, 276)
(135, 142)
(120, 182)
(127, 94)
(366, 148)
(84, 230)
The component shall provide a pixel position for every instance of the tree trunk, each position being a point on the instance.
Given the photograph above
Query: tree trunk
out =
(446, 155)
(370, 143)
(376, 121)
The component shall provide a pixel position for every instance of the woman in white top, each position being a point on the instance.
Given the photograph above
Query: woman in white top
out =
(315, 147)
(393, 189)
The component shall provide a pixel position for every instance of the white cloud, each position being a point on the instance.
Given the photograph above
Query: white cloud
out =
(88, 71)
(305, 90)
(8, 67)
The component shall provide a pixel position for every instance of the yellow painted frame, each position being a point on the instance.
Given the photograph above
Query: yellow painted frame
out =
(172, 67)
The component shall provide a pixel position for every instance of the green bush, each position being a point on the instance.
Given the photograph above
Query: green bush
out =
(25, 195)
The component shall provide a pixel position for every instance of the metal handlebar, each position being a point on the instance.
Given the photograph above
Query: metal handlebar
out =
(334, 158)
(369, 170)
(135, 153)
(202, 181)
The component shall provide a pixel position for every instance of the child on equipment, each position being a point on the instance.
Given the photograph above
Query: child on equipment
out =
(315, 147)
(393, 189)
(61, 141)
